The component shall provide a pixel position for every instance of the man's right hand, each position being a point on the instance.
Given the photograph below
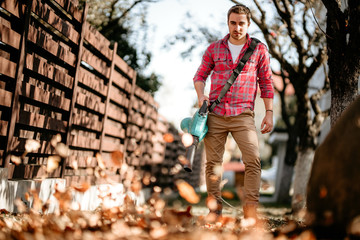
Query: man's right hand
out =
(201, 100)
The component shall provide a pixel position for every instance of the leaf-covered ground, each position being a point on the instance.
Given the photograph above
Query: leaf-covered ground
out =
(157, 219)
(162, 217)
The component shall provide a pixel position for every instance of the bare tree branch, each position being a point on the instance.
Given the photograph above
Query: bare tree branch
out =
(115, 21)
(305, 24)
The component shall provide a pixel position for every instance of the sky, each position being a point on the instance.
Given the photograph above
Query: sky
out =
(177, 94)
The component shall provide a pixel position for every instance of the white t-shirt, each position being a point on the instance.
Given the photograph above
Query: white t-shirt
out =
(235, 50)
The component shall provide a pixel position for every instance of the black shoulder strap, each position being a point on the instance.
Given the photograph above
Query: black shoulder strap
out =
(236, 72)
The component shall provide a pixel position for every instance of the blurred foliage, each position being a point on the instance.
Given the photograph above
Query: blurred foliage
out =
(124, 22)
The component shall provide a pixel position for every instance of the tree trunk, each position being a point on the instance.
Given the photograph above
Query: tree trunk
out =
(285, 183)
(302, 174)
(344, 55)
(344, 89)
(288, 169)
(334, 189)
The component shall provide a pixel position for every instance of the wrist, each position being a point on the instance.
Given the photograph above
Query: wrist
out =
(269, 110)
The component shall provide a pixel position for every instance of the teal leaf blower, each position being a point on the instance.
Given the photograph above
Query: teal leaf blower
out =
(197, 127)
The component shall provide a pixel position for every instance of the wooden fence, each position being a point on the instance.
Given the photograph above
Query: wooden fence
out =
(60, 76)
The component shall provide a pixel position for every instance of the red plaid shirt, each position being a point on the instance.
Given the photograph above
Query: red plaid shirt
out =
(242, 93)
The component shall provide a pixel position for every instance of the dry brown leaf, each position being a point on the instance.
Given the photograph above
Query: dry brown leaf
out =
(168, 137)
(183, 160)
(187, 192)
(52, 163)
(82, 187)
(117, 158)
(227, 194)
(100, 161)
(15, 159)
(136, 187)
(187, 139)
(32, 145)
(62, 150)
(55, 140)
(323, 192)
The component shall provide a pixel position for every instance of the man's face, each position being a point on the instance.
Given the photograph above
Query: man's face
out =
(238, 26)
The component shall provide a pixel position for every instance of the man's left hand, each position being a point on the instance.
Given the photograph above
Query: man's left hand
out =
(267, 123)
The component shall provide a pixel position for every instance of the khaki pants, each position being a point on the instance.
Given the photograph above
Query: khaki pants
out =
(242, 128)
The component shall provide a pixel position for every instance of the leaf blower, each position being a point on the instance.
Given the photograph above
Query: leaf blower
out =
(197, 127)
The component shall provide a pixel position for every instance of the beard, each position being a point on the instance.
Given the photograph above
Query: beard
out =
(237, 35)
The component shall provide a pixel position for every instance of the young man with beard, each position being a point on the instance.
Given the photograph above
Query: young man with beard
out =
(235, 112)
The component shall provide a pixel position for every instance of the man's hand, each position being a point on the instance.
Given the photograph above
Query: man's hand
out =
(201, 100)
(267, 123)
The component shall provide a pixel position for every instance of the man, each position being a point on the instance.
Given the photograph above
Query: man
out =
(234, 114)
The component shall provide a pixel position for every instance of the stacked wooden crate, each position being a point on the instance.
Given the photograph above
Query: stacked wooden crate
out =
(159, 140)
(89, 105)
(11, 33)
(121, 87)
(170, 169)
(42, 47)
(141, 128)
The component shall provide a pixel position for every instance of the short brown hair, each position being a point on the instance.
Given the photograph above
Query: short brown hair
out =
(239, 9)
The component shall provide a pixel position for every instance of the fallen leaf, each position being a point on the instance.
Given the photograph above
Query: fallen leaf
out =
(227, 194)
(117, 158)
(62, 150)
(187, 192)
(82, 187)
(168, 137)
(15, 159)
(32, 145)
(52, 163)
(187, 139)
(100, 161)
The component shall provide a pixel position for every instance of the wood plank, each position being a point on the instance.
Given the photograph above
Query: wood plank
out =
(33, 172)
(70, 7)
(91, 121)
(118, 97)
(40, 66)
(90, 101)
(157, 158)
(18, 145)
(97, 63)
(7, 67)
(159, 148)
(9, 36)
(15, 7)
(120, 63)
(43, 96)
(92, 81)
(49, 16)
(42, 121)
(117, 113)
(162, 124)
(5, 98)
(97, 40)
(74, 180)
(82, 161)
(137, 119)
(84, 142)
(3, 127)
(44, 41)
(109, 146)
(114, 131)
(121, 82)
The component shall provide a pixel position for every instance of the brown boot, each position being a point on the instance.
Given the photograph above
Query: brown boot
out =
(250, 211)
(251, 217)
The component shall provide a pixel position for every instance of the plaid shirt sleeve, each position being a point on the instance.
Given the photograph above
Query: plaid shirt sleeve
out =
(265, 73)
(206, 66)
